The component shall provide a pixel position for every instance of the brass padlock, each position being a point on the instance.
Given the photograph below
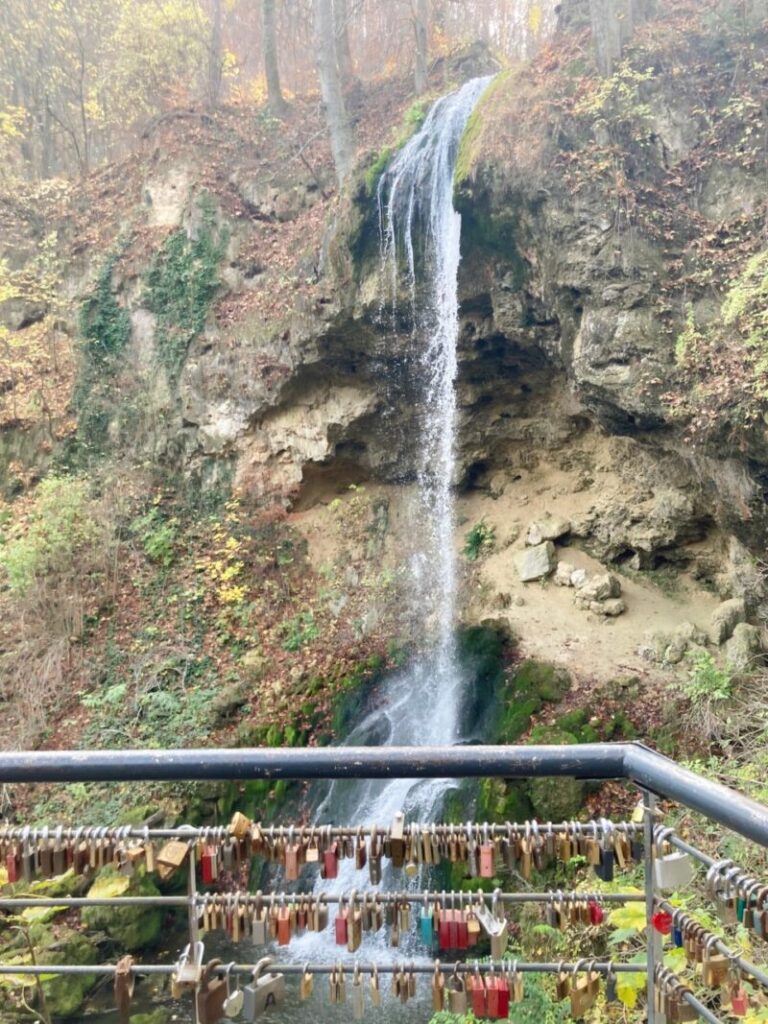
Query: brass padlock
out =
(438, 989)
(714, 965)
(123, 986)
(211, 994)
(457, 993)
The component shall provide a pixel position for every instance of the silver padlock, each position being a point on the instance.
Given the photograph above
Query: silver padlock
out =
(671, 871)
(233, 1004)
(189, 969)
(264, 992)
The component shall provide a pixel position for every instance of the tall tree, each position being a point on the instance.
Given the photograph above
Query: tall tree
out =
(275, 99)
(613, 24)
(343, 51)
(215, 56)
(342, 139)
(420, 10)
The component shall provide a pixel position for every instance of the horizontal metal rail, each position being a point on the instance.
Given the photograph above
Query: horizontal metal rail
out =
(246, 899)
(348, 967)
(598, 761)
(16, 833)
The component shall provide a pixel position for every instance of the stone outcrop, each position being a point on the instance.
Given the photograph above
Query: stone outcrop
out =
(725, 618)
(535, 563)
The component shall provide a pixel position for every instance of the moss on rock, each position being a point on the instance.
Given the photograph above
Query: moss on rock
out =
(64, 994)
(557, 799)
(132, 928)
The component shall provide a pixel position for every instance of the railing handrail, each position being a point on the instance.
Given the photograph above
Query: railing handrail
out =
(599, 761)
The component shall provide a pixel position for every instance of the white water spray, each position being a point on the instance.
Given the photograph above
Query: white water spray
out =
(420, 234)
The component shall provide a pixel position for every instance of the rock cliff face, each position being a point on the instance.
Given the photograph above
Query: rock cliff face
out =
(590, 208)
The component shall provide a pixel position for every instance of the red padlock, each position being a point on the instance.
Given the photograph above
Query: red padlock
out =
(492, 997)
(662, 922)
(462, 930)
(283, 926)
(341, 927)
(596, 913)
(208, 865)
(739, 1002)
(330, 867)
(479, 996)
(444, 929)
(503, 995)
(13, 864)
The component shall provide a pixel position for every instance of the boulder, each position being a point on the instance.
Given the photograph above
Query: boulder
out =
(132, 928)
(613, 607)
(725, 618)
(548, 528)
(497, 485)
(578, 578)
(600, 588)
(563, 574)
(743, 649)
(654, 646)
(536, 562)
(691, 632)
(676, 649)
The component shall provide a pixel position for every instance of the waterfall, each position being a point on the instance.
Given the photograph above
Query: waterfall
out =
(420, 235)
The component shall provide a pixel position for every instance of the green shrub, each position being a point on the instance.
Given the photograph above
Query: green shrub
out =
(707, 682)
(299, 631)
(158, 536)
(479, 540)
(61, 524)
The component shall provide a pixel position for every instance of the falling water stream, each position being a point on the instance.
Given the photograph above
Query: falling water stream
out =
(420, 233)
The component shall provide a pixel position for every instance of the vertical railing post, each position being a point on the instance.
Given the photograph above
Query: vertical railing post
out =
(194, 934)
(653, 939)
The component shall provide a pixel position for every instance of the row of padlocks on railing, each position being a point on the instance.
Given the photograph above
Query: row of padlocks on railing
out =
(445, 924)
(484, 849)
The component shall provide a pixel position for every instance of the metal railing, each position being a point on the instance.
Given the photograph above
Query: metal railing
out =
(655, 777)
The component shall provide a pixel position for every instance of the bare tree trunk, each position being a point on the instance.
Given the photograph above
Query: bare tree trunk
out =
(342, 141)
(275, 99)
(613, 24)
(343, 52)
(215, 57)
(421, 32)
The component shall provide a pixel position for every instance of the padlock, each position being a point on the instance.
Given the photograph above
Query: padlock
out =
(715, 966)
(477, 994)
(211, 994)
(233, 1003)
(189, 969)
(264, 991)
(673, 870)
(307, 984)
(563, 984)
(358, 995)
(426, 924)
(374, 858)
(360, 851)
(457, 993)
(341, 924)
(487, 854)
(374, 988)
(438, 989)
(124, 984)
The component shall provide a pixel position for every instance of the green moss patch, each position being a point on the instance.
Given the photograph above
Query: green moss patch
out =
(181, 286)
